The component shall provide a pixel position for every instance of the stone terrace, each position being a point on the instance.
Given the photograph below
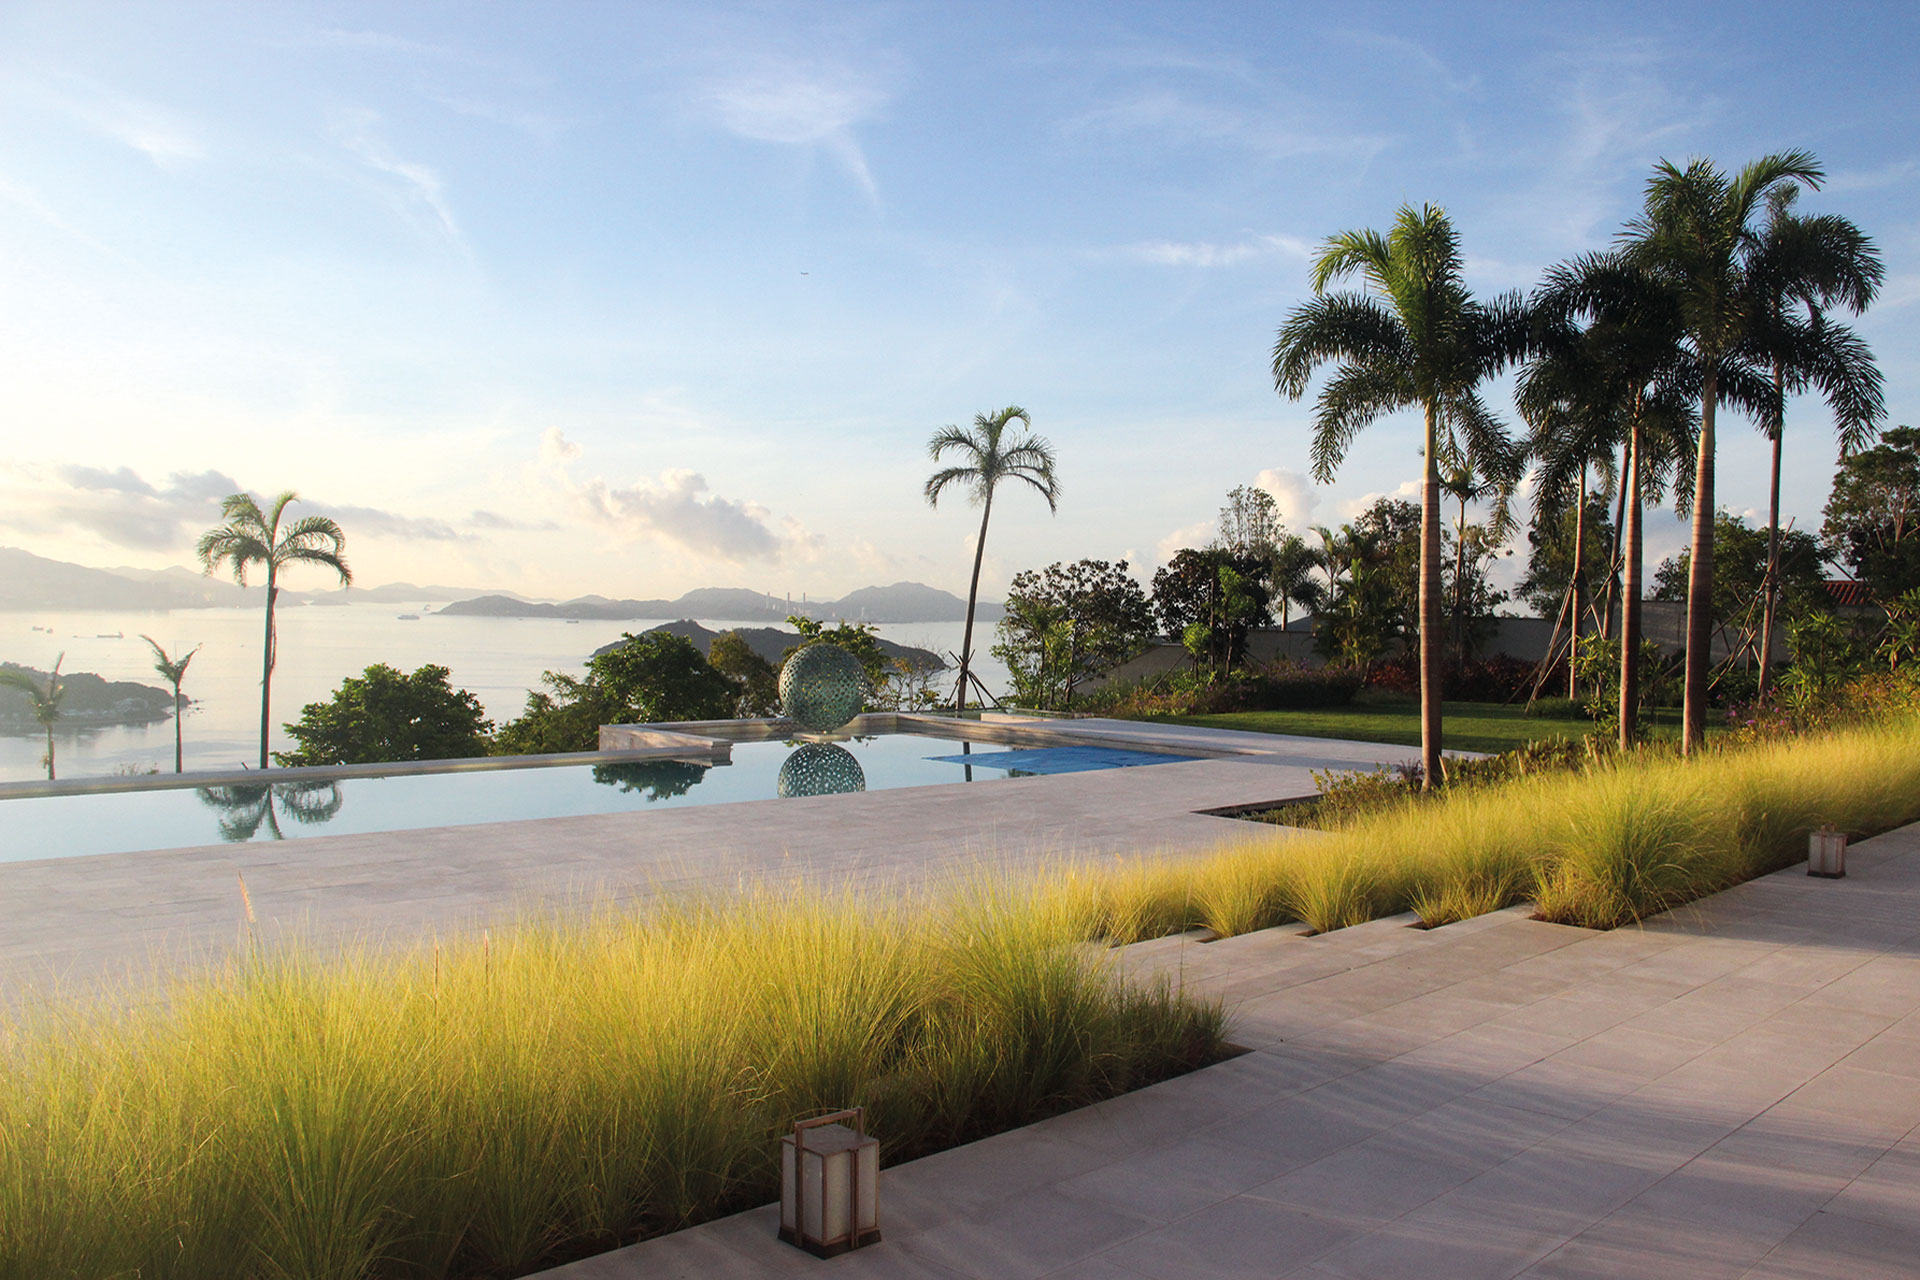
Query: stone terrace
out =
(1730, 1091)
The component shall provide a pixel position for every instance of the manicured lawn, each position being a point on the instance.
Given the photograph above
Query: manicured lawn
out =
(1467, 726)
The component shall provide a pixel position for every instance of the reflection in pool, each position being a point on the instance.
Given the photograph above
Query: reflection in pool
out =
(285, 809)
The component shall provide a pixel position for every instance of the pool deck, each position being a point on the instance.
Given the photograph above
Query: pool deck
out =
(1732, 1090)
(69, 921)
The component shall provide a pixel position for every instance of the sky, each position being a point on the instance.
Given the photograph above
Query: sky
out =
(631, 298)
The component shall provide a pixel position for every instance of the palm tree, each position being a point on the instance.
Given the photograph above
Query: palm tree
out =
(1623, 380)
(1290, 579)
(251, 537)
(173, 670)
(1807, 265)
(1462, 485)
(988, 456)
(45, 699)
(1697, 235)
(1413, 337)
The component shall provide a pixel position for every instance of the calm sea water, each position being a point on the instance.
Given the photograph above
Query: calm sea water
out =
(497, 659)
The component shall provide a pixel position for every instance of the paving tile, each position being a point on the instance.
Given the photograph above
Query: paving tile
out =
(1830, 1246)
(1238, 1239)
(1026, 1236)
(1887, 1192)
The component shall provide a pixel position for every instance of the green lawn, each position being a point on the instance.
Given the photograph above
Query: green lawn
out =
(1466, 726)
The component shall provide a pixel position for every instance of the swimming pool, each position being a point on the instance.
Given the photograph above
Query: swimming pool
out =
(178, 817)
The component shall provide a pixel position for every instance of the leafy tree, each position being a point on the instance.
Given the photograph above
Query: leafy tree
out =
(1067, 623)
(384, 715)
(1250, 523)
(754, 678)
(1550, 559)
(647, 679)
(45, 697)
(1803, 267)
(174, 671)
(251, 537)
(1414, 338)
(1374, 563)
(1740, 555)
(1697, 236)
(987, 455)
(1211, 599)
(861, 639)
(1873, 514)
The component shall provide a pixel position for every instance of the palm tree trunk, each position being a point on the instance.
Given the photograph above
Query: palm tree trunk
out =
(1579, 609)
(179, 755)
(1630, 594)
(1459, 584)
(1770, 585)
(1613, 553)
(1693, 732)
(1430, 642)
(973, 594)
(50, 777)
(266, 667)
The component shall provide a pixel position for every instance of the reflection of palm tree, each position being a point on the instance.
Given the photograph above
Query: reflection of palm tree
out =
(252, 537)
(45, 699)
(246, 807)
(174, 670)
(655, 779)
(985, 461)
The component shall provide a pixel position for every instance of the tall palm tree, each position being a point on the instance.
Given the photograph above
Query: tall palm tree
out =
(987, 455)
(1697, 233)
(251, 537)
(173, 670)
(1802, 267)
(44, 697)
(1622, 380)
(1290, 580)
(1412, 337)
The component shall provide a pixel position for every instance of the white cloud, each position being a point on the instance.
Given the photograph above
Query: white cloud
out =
(1408, 490)
(1293, 493)
(1198, 534)
(1182, 120)
(677, 507)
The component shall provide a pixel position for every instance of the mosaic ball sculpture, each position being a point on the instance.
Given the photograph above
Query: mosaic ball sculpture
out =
(822, 687)
(820, 769)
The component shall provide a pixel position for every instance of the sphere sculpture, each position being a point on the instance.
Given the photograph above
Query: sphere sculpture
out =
(822, 687)
(820, 769)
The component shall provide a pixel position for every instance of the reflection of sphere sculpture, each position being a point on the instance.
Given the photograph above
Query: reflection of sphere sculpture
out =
(821, 769)
(822, 687)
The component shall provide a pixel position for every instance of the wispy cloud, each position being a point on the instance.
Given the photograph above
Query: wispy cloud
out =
(372, 521)
(159, 133)
(1892, 174)
(416, 191)
(1205, 253)
(1411, 53)
(799, 104)
(1179, 117)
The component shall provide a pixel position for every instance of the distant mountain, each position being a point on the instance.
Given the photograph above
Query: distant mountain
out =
(901, 602)
(29, 582)
(772, 643)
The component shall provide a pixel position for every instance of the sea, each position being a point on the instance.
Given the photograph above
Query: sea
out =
(498, 660)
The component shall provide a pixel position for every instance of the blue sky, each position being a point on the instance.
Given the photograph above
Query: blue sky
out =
(632, 298)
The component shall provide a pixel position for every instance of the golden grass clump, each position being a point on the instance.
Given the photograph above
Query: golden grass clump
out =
(492, 1106)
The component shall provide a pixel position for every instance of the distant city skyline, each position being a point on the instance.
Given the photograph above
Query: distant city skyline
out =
(637, 298)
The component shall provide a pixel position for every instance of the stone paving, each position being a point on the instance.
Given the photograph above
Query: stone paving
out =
(73, 920)
(1732, 1090)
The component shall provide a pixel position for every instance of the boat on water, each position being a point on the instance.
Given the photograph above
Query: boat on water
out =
(409, 617)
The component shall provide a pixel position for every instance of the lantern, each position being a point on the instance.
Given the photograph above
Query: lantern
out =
(830, 1184)
(1827, 853)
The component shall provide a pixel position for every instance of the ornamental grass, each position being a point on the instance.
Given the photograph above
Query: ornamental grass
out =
(492, 1106)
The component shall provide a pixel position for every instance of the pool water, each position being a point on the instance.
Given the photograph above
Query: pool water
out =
(172, 818)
